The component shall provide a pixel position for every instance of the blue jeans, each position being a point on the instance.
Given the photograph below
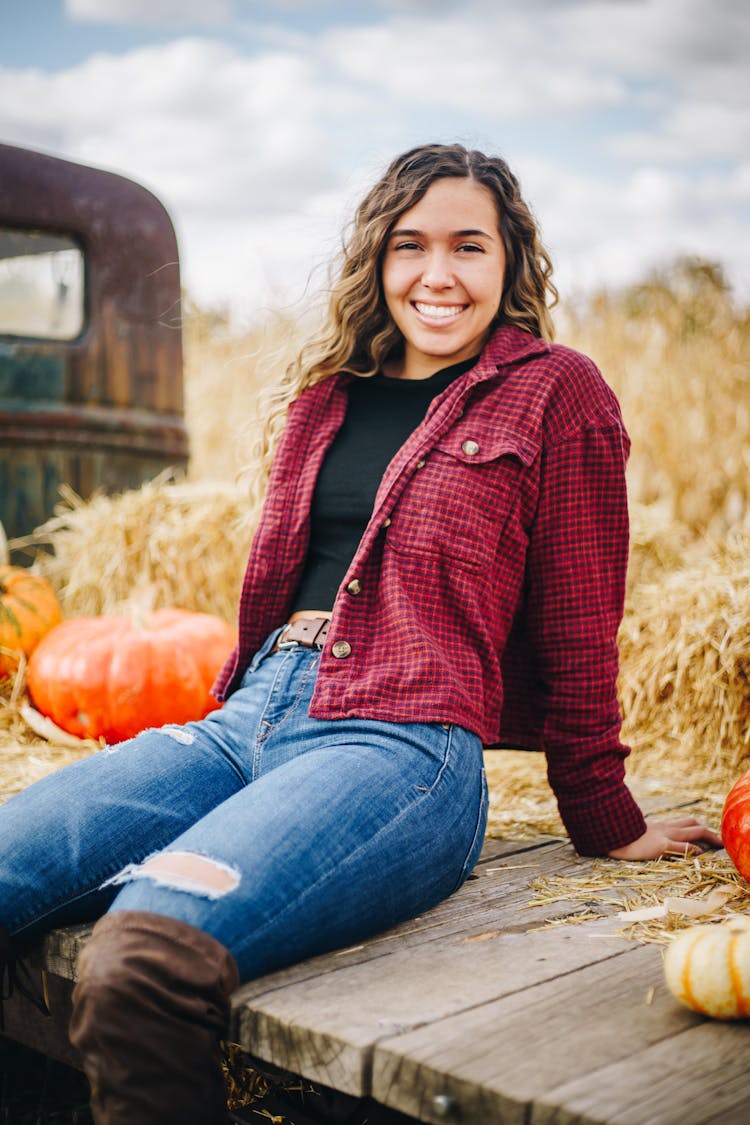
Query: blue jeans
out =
(321, 832)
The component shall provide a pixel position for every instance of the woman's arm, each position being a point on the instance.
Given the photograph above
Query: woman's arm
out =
(576, 564)
(576, 586)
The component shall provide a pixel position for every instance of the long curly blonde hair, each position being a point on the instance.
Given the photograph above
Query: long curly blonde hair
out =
(358, 334)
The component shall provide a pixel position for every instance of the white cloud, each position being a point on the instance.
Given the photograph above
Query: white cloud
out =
(213, 129)
(243, 150)
(604, 231)
(663, 40)
(490, 66)
(180, 12)
(690, 131)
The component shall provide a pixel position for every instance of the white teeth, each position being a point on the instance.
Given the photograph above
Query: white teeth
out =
(438, 311)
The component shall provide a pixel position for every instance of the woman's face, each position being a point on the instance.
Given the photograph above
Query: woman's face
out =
(442, 275)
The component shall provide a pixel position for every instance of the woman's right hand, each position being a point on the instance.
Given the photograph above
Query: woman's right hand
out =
(681, 837)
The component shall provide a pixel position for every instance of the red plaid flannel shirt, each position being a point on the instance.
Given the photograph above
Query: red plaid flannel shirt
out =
(490, 576)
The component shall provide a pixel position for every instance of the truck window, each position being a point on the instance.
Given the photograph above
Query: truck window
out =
(42, 285)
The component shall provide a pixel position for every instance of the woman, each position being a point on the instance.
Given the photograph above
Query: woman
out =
(440, 557)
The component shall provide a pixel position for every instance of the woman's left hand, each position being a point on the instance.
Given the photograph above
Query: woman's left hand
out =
(669, 837)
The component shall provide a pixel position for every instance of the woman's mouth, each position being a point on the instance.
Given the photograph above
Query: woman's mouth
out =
(438, 312)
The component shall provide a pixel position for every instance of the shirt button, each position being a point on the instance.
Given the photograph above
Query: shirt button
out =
(341, 649)
(354, 587)
(387, 521)
(470, 448)
(421, 464)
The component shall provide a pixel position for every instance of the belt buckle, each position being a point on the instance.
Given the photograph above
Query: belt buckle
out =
(280, 642)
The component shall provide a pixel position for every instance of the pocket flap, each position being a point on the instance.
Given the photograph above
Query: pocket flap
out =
(473, 444)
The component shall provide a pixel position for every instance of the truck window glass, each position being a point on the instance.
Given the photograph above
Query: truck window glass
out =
(41, 285)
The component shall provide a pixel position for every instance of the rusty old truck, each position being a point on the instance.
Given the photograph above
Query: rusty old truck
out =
(91, 382)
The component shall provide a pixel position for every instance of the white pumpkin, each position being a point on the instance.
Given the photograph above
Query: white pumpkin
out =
(708, 968)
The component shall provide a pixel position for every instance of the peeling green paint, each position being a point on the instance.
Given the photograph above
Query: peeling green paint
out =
(30, 376)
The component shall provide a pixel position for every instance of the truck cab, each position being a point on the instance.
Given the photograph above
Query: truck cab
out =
(91, 376)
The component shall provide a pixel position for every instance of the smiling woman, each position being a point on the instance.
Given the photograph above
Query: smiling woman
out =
(439, 565)
(443, 274)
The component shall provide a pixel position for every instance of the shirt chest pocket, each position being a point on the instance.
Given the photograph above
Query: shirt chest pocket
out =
(465, 496)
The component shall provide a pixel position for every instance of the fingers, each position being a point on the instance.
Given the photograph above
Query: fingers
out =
(684, 822)
(682, 850)
(688, 829)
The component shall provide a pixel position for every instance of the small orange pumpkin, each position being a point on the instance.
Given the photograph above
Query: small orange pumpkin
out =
(28, 610)
(707, 968)
(111, 677)
(735, 825)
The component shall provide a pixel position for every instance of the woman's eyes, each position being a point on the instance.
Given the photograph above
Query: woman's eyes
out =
(470, 247)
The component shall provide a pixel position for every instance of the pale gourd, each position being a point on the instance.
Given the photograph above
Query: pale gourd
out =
(707, 968)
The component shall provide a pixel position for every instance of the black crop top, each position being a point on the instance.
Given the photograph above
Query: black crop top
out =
(381, 414)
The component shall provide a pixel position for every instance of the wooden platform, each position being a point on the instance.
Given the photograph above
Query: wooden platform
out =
(474, 1014)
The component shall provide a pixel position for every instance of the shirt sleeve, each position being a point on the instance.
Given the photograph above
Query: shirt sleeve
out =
(577, 563)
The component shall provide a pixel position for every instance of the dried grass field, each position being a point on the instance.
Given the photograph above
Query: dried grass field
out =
(675, 348)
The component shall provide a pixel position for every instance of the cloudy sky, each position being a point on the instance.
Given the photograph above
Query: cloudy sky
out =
(259, 124)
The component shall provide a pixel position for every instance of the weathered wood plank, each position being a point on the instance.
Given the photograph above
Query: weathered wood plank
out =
(584, 1047)
(694, 1078)
(410, 1001)
(59, 950)
(491, 1062)
(327, 1031)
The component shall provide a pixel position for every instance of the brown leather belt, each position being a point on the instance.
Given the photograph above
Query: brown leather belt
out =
(310, 632)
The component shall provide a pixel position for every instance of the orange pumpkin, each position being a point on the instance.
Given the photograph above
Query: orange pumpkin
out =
(111, 677)
(735, 825)
(28, 610)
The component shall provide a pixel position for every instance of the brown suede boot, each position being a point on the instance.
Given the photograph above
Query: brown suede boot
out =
(149, 1010)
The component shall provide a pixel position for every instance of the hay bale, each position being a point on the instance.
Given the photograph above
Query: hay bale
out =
(685, 667)
(522, 805)
(184, 543)
(24, 757)
(164, 544)
(658, 544)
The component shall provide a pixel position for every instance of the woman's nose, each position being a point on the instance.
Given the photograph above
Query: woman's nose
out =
(437, 273)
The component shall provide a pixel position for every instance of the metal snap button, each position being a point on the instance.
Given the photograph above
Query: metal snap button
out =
(470, 448)
(354, 587)
(341, 649)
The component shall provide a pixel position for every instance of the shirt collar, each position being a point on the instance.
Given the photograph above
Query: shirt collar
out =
(507, 346)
